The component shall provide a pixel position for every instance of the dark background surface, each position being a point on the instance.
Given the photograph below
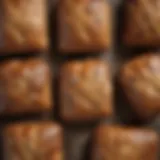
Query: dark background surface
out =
(77, 137)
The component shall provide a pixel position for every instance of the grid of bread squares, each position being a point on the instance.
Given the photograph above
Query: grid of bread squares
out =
(86, 86)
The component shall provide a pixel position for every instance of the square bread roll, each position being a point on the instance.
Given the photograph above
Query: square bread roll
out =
(140, 80)
(85, 90)
(142, 20)
(122, 143)
(84, 26)
(25, 86)
(24, 26)
(33, 141)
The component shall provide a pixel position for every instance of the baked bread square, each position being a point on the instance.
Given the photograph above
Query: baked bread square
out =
(25, 86)
(142, 21)
(122, 143)
(24, 26)
(84, 26)
(33, 141)
(85, 90)
(140, 80)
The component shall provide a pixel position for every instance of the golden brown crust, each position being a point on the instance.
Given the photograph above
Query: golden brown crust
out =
(142, 23)
(25, 86)
(84, 25)
(25, 25)
(120, 143)
(33, 141)
(141, 82)
(85, 90)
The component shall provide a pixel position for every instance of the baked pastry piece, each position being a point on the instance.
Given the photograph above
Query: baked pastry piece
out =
(120, 143)
(85, 90)
(24, 86)
(84, 25)
(25, 25)
(140, 79)
(142, 23)
(33, 141)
